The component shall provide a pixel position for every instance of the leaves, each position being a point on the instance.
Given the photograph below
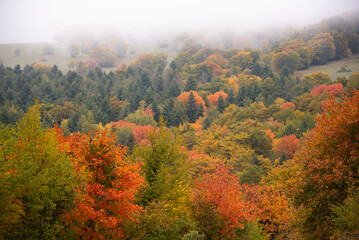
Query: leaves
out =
(37, 179)
(289, 145)
(329, 163)
(335, 89)
(218, 204)
(109, 184)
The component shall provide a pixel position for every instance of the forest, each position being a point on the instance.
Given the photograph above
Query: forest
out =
(218, 143)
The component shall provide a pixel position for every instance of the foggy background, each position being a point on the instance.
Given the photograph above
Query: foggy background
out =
(23, 21)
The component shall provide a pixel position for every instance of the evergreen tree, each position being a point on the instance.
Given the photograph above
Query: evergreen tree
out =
(17, 69)
(159, 85)
(192, 108)
(200, 111)
(174, 89)
(149, 96)
(257, 70)
(191, 84)
(120, 94)
(241, 95)
(230, 97)
(167, 111)
(212, 114)
(283, 157)
(156, 111)
(177, 115)
(73, 123)
(173, 65)
(221, 105)
(145, 79)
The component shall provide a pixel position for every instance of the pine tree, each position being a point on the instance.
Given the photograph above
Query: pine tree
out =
(241, 95)
(283, 157)
(221, 105)
(230, 97)
(73, 123)
(156, 111)
(200, 111)
(167, 111)
(192, 109)
(174, 89)
(191, 84)
(159, 85)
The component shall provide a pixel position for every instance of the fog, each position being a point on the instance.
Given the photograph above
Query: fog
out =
(24, 21)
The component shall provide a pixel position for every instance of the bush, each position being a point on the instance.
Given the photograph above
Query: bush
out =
(74, 50)
(105, 56)
(48, 50)
(193, 235)
(17, 52)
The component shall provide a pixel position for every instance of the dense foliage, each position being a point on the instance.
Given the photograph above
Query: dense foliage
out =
(215, 144)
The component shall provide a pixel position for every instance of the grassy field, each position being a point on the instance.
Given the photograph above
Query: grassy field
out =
(33, 52)
(331, 68)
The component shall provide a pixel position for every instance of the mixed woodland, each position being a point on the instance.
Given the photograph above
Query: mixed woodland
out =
(218, 143)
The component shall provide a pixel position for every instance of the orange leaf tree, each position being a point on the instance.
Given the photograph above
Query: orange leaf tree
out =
(218, 204)
(274, 212)
(184, 97)
(110, 183)
(213, 98)
(330, 164)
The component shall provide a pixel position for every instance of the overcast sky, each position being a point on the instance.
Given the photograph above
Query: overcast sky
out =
(39, 20)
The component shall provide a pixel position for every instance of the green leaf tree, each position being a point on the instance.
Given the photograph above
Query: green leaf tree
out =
(37, 180)
(165, 171)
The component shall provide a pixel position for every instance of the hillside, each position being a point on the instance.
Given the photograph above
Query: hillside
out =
(187, 141)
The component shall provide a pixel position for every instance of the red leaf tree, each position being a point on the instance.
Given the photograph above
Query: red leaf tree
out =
(335, 89)
(289, 145)
(287, 105)
(139, 132)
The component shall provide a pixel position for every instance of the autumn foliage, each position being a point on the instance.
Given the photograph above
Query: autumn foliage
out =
(184, 97)
(139, 132)
(121, 123)
(213, 98)
(274, 212)
(215, 69)
(330, 165)
(109, 184)
(42, 67)
(287, 105)
(289, 145)
(335, 89)
(218, 203)
(216, 143)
